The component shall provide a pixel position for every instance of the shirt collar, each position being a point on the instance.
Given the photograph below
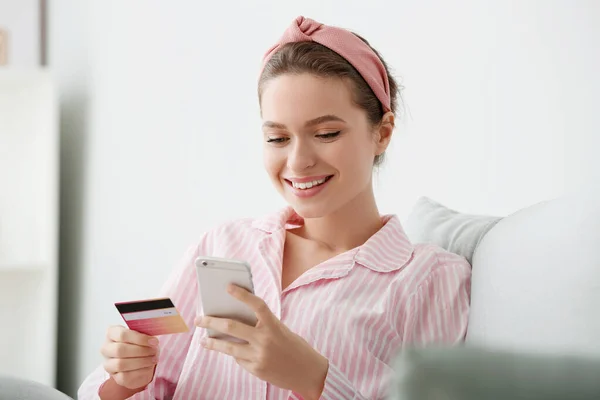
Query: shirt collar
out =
(387, 250)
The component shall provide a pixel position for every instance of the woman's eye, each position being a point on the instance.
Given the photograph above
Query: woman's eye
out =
(276, 140)
(329, 135)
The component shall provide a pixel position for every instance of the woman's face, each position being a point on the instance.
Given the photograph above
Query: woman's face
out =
(318, 145)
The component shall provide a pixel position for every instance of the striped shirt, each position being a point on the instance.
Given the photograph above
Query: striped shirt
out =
(358, 309)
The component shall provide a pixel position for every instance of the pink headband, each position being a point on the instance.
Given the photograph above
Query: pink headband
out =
(344, 43)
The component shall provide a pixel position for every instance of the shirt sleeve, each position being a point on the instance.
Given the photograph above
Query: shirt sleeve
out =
(181, 287)
(437, 312)
(337, 386)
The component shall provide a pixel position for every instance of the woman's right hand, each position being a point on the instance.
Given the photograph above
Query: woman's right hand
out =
(131, 357)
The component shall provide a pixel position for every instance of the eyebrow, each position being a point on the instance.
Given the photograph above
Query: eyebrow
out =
(316, 121)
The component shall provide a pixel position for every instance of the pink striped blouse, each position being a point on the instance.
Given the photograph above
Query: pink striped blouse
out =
(357, 309)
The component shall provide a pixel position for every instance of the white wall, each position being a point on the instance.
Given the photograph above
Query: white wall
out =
(21, 19)
(164, 141)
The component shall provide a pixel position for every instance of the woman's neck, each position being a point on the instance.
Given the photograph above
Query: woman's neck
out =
(346, 228)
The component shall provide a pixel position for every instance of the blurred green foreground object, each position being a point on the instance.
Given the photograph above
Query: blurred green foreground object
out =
(475, 374)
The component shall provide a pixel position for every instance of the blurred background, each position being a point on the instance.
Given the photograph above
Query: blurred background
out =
(131, 127)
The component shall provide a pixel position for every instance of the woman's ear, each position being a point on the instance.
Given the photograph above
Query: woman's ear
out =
(383, 133)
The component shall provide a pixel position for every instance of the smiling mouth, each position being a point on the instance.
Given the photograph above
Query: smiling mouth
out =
(308, 185)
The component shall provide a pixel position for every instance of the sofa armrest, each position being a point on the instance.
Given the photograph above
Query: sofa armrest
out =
(12, 388)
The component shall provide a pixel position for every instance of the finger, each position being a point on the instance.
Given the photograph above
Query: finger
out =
(115, 365)
(124, 335)
(127, 350)
(228, 326)
(257, 304)
(241, 351)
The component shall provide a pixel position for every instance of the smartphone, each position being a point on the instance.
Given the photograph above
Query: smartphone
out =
(214, 275)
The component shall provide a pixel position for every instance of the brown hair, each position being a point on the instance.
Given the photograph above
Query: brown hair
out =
(314, 58)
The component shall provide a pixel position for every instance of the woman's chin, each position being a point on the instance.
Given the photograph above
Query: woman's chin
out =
(305, 210)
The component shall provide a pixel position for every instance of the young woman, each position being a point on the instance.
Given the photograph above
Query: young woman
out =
(339, 288)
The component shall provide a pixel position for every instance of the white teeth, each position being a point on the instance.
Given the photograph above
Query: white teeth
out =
(308, 185)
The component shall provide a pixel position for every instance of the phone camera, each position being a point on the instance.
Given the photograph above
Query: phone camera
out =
(204, 263)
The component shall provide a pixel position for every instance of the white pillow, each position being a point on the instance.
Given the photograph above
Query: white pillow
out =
(431, 222)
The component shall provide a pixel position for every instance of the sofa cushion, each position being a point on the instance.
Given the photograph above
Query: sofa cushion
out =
(459, 233)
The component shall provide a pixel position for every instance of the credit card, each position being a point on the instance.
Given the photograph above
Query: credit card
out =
(152, 317)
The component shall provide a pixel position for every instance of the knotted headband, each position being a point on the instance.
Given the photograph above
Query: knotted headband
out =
(344, 43)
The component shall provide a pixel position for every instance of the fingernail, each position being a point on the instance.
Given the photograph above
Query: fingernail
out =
(203, 341)
(231, 288)
(153, 342)
(155, 359)
(198, 321)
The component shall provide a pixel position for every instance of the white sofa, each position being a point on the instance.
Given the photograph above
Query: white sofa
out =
(534, 328)
(535, 319)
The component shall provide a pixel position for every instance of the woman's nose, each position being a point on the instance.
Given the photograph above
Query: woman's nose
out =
(301, 157)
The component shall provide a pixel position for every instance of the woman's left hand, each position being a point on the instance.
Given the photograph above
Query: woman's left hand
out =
(272, 353)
